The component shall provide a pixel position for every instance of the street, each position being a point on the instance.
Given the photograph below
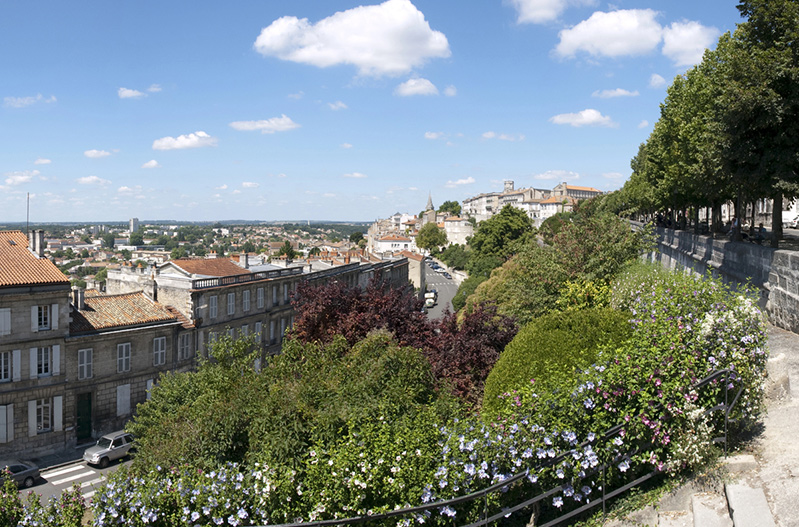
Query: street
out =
(446, 288)
(58, 479)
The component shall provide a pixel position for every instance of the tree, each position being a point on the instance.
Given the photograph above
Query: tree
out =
(356, 237)
(495, 236)
(84, 253)
(108, 240)
(101, 275)
(136, 238)
(248, 247)
(287, 250)
(451, 206)
(314, 251)
(430, 237)
(178, 252)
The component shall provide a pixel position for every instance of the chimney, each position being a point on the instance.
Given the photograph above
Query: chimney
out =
(32, 241)
(78, 298)
(246, 261)
(40, 243)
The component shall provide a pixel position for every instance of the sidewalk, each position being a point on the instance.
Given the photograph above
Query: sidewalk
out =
(61, 458)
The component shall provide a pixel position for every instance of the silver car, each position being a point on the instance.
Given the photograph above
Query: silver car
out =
(23, 473)
(110, 447)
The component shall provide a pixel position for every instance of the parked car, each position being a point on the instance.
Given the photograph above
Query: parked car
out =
(793, 223)
(447, 275)
(23, 473)
(110, 447)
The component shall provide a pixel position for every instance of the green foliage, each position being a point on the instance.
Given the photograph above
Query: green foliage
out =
(495, 236)
(136, 238)
(552, 225)
(108, 240)
(178, 252)
(102, 275)
(465, 290)
(455, 256)
(583, 294)
(451, 206)
(11, 509)
(287, 250)
(66, 509)
(430, 237)
(356, 237)
(550, 349)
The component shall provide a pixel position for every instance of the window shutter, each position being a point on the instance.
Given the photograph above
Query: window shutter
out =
(58, 413)
(5, 321)
(56, 369)
(35, 318)
(123, 400)
(9, 423)
(16, 365)
(3, 425)
(32, 418)
(54, 316)
(34, 363)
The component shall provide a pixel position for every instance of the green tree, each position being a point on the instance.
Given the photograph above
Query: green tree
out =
(101, 275)
(356, 237)
(248, 247)
(495, 236)
(108, 240)
(287, 250)
(430, 237)
(136, 238)
(178, 252)
(84, 253)
(452, 207)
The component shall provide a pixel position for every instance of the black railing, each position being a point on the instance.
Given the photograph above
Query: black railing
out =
(600, 470)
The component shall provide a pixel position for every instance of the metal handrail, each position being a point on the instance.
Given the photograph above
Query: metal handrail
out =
(614, 430)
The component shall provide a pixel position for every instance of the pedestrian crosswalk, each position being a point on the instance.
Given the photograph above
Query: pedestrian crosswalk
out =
(85, 476)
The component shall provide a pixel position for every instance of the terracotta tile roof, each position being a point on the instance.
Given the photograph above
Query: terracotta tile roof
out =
(412, 256)
(575, 187)
(394, 238)
(209, 267)
(118, 311)
(185, 323)
(18, 266)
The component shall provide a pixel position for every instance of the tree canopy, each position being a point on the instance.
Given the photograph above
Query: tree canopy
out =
(430, 237)
(452, 207)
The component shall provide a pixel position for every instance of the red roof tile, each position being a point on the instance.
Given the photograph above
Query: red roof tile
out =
(210, 266)
(116, 311)
(19, 266)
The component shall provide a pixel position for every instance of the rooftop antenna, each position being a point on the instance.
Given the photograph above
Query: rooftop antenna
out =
(28, 214)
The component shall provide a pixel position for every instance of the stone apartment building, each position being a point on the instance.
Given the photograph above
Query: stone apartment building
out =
(75, 365)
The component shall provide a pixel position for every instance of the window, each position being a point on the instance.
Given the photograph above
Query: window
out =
(148, 386)
(282, 328)
(245, 301)
(43, 313)
(5, 366)
(272, 338)
(123, 357)
(184, 346)
(245, 330)
(260, 297)
(44, 317)
(274, 295)
(159, 351)
(212, 308)
(285, 293)
(231, 303)
(84, 364)
(258, 329)
(44, 415)
(5, 321)
(7, 423)
(231, 332)
(43, 361)
(123, 400)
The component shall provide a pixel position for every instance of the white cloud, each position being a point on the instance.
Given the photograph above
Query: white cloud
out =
(21, 102)
(558, 175)
(416, 87)
(237, 191)
(489, 135)
(589, 117)
(151, 164)
(613, 175)
(391, 38)
(540, 11)
(355, 175)
(685, 42)
(338, 105)
(614, 34)
(454, 184)
(433, 135)
(195, 140)
(267, 126)
(643, 124)
(96, 154)
(154, 88)
(250, 184)
(223, 187)
(450, 91)
(503, 137)
(298, 95)
(276, 175)
(21, 176)
(93, 180)
(126, 93)
(42, 161)
(346, 145)
(618, 92)
(129, 190)
(656, 81)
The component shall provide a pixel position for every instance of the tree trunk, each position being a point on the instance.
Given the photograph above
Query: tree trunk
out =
(776, 220)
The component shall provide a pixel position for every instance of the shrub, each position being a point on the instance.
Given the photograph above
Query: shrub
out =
(549, 349)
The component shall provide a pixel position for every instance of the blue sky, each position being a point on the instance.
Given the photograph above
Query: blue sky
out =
(327, 110)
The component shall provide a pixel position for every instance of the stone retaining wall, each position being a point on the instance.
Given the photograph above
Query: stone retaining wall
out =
(774, 272)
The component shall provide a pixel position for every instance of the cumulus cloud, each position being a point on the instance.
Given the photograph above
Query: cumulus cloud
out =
(21, 102)
(433, 135)
(298, 95)
(454, 184)
(346, 145)
(614, 34)
(126, 93)
(450, 91)
(338, 105)
(223, 187)
(588, 117)
(42, 161)
(195, 140)
(391, 38)
(20, 176)
(540, 11)
(618, 92)
(151, 164)
(96, 154)
(643, 124)
(93, 180)
(416, 87)
(127, 191)
(558, 175)
(154, 88)
(355, 175)
(250, 184)
(656, 81)
(685, 42)
(503, 137)
(266, 126)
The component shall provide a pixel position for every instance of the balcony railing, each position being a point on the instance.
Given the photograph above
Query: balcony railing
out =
(208, 283)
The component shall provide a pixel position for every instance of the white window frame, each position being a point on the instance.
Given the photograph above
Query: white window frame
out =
(231, 303)
(245, 301)
(43, 321)
(44, 361)
(213, 307)
(85, 365)
(159, 351)
(259, 295)
(5, 321)
(6, 366)
(44, 416)
(184, 346)
(123, 357)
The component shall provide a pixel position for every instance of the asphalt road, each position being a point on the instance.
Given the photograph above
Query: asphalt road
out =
(446, 288)
(58, 479)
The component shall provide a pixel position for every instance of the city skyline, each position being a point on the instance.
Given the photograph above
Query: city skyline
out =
(327, 110)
